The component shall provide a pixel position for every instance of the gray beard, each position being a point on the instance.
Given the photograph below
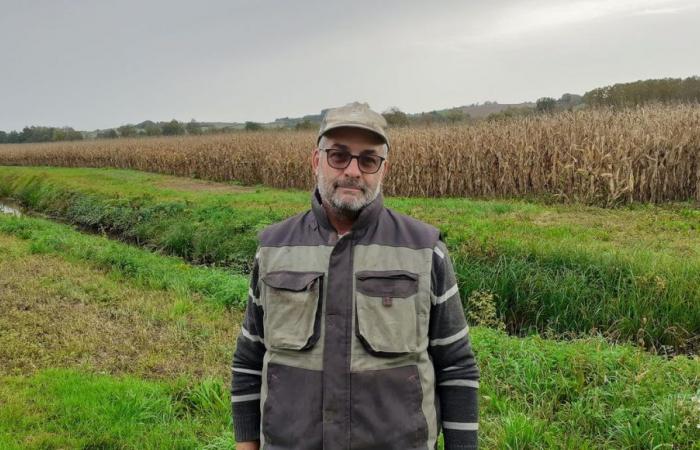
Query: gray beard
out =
(348, 209)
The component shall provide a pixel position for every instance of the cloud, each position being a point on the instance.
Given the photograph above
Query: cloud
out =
(531, 18)
(657, 11)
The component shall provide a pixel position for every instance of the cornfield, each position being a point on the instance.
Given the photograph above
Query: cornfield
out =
(601, 156)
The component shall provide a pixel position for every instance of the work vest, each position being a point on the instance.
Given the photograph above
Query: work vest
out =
(346, 333)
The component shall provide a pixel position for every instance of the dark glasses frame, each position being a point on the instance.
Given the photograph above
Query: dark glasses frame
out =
(358, 157)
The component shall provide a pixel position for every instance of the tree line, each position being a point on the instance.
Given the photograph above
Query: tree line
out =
(665, 90)
(40, 134)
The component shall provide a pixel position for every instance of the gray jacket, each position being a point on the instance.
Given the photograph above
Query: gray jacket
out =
(358, 342)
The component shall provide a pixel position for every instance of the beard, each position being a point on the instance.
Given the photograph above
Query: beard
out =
(349, 207)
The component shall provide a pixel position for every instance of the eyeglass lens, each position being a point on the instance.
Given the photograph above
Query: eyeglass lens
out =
(340, 159)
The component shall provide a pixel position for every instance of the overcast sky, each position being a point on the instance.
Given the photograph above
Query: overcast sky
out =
(98, 64)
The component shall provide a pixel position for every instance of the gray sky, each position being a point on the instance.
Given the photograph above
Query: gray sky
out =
(97, 64)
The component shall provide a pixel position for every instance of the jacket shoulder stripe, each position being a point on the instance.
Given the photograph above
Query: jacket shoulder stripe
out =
(439, 252)
(244, 398)
(256, 300)
(450, 339)
(464, 426)
(437, 299)
(252, 337)
(467, 383)
(250, 371)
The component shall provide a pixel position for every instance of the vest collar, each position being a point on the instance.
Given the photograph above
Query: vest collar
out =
(368, 215)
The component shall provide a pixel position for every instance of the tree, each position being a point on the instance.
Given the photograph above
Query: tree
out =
(545, 104)
(253, 126)
(152, 129)
(127, 131)
(173, 128)
(456, 115)
(109, 133)
(306, 124)
(395, 117)
(3, 137)
(193, 127)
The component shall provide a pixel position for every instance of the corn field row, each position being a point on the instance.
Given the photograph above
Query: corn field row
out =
(604, 157)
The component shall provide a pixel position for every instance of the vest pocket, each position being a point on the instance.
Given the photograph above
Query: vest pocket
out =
(386, 317)
(291, 303)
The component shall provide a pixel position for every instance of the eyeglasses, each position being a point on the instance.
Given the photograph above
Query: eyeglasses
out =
(340, 159)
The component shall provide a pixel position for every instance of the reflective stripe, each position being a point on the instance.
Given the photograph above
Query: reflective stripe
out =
(447, 369)
(244, 398)
(256, 300)
(450, 339)
(250, 371)
(465, 426)
(252, 337)
(439, 252)
(450, 292)
(468, 383)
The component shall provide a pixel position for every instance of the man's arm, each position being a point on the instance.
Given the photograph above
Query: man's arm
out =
(247, 369)
(457, 374)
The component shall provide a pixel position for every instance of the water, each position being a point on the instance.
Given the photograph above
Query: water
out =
(8, 208)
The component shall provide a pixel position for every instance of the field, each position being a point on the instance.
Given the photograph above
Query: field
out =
(600, 157)
(574, 238)
(120, 313)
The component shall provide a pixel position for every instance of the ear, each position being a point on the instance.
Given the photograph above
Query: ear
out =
(385, 168)
(315, 160)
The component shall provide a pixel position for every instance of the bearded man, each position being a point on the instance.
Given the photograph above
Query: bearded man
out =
(354, 335)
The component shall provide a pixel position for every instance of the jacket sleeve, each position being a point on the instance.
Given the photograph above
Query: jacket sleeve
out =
(457, 373)
(247, 366)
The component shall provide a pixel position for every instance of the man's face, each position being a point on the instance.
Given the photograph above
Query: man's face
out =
(348, 189)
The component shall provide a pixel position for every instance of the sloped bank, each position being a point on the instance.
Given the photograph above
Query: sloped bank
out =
(630, 274)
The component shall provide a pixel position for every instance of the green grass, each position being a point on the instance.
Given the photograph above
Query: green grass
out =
(60, 408)
(629, 273)
(151, 270)
(85, 385)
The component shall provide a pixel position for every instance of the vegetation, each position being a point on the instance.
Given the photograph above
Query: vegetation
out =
(136, 365)
(626, 273)
(40, 134)
(642, 92)
(600, 157)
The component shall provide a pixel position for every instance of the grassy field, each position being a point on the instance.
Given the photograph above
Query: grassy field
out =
(593, 156)
(628, 273)
(102, 353)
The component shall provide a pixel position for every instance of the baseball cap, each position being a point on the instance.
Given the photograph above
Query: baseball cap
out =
(357, 115)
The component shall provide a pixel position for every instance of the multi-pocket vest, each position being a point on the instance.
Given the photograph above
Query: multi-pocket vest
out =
(346, 333)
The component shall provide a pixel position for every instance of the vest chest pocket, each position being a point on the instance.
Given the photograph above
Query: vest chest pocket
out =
(291, 302)
(386, 318)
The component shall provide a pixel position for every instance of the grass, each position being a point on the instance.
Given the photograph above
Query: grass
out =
(63, 408)
(628, 273)
(83, 382)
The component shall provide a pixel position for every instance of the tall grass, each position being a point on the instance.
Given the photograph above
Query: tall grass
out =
(629, 273)
(603, 157)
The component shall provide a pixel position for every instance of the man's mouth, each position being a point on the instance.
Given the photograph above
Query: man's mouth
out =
(352, 188)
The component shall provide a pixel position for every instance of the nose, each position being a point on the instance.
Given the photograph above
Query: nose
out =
(353, 170)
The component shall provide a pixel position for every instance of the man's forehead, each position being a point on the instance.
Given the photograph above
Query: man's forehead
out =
(353, 138)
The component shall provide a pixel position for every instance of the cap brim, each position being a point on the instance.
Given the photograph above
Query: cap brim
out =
(353, 125)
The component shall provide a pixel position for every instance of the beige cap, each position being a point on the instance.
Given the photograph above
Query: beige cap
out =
(354, 114)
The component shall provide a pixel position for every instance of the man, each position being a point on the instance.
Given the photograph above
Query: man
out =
(354, 335)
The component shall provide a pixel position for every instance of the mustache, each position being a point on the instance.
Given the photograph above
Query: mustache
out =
(350, 184)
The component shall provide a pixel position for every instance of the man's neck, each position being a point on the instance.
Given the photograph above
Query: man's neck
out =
(341, 220)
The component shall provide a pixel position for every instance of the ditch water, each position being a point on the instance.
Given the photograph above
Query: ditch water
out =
(10, 208)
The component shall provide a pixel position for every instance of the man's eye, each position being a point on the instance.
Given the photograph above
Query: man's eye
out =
(340, 156)
(368, 161)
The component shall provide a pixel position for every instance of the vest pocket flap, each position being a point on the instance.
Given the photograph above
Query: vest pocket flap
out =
(387, 283)
(291, 280)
